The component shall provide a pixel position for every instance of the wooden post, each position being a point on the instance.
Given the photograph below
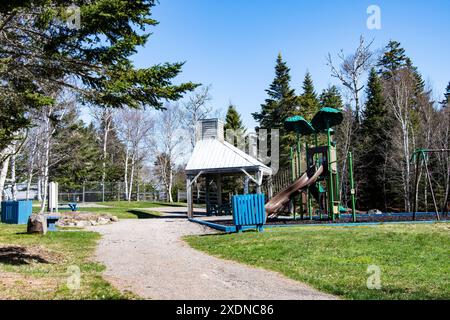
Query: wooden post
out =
(246, 185)
(270, 195)
(207, 201)
(259, 179)
(219, 189)
(190, 212)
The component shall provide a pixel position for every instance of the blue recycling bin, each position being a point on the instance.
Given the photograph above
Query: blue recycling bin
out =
(16, 212)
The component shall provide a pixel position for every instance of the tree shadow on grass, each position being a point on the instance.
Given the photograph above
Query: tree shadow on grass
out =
(148, 215)
(15, 255)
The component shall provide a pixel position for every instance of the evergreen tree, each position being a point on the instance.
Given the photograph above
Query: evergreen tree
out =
(115, 150)
(278, 106)
(96, 53)
(233, 123)
(393, 58)
(76, 153)
(373, 143)
(309, 103)
(331, 97)
(281, 100)
(233, 119)
(446, 101)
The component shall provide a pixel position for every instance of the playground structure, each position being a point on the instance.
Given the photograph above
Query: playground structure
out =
(320, 181)
(312, 191)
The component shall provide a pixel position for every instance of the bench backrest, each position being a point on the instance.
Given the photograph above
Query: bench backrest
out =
(248, 210)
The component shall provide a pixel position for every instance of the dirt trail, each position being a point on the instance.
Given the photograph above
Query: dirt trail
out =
(149, 258)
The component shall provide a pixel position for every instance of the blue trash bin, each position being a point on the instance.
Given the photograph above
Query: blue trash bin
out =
(16, 212)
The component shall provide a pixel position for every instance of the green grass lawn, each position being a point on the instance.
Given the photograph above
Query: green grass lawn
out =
(127, 210)
(36, 267)
(414, 258)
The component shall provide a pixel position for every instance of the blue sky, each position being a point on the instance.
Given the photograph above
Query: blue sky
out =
(232, 44)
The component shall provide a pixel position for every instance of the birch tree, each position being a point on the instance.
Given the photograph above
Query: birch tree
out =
(104, 117)
(167, 144)
(351, 70)
(399, 91)
(133, 126)
(194, 109)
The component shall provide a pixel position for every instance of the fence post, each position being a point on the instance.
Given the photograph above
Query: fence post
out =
(84, 190)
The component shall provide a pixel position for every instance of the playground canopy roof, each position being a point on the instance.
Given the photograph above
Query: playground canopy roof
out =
(327, 118)
(217, 156)
(299, 125)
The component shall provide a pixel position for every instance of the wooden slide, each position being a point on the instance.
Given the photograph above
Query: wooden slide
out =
(282, 198)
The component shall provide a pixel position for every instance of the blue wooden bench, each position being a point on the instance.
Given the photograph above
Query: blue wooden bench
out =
(51, 222)
(70, 206)
(249, 211)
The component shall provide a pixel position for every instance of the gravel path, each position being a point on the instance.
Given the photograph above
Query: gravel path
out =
(148, 258)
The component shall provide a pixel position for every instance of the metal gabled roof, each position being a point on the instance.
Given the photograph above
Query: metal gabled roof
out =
(215, 156)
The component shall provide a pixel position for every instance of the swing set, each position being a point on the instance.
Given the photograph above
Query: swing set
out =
(421, 158)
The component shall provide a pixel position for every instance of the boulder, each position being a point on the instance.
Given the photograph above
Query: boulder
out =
(114, 219)
(102, 220)
(82, 224)
(37, 223)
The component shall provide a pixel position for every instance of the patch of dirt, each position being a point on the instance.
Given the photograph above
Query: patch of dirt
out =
(18, 286)
(20, 255)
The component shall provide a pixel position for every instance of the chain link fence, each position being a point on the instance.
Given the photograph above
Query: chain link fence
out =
(88, 192)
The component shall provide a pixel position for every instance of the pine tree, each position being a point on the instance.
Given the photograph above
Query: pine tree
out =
(278, 106)
(233, 119)
(373, 143)
(393, 58)
(331, 97)
(309, 103)
(97, 53)
(446, 101)
(75, 164)
(281, 100)
(233, 123)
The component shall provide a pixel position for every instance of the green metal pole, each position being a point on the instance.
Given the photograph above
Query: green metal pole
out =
(299, 172)
(352, 185)
(337, 185)
(299, 164)
(308, 200)
(292, 164)
(293, 173)
(330, 178)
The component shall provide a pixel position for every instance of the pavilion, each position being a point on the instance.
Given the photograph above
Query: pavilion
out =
(213, 158)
